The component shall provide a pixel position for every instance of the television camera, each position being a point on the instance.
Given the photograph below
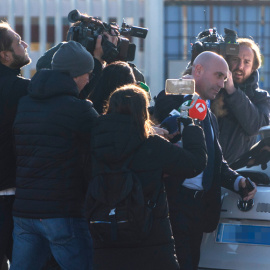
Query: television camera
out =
(86, 30)
(210, 40)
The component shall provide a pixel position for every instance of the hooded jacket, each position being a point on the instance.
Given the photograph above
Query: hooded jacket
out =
(116, 137)
(240, 116)
(52, 133)
(12, 88)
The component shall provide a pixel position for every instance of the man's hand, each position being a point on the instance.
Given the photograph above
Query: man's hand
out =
(164, 133)
(229, 86)
(243, 185)
(161, 131)
(98, 52)
(113, 38)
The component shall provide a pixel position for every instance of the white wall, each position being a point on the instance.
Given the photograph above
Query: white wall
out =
(152, 10)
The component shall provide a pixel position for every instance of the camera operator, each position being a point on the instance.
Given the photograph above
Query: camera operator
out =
(195, 205)
(103, 47)
(241, 107)
(44, 62)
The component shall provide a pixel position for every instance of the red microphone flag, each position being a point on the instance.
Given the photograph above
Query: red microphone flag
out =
(199, 110)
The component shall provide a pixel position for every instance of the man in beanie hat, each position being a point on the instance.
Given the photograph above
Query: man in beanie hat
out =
(52, 130)
(45, 61)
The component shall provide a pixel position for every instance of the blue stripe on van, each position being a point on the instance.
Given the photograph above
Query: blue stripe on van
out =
(243, 234)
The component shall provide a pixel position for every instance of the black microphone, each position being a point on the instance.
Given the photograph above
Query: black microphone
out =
(139, 32)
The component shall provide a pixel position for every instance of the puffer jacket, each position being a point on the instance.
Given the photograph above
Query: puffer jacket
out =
(116, 137)
(240, 116)
(52, 131)
(12, 88)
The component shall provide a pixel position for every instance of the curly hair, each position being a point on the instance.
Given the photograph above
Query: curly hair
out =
(255, 48)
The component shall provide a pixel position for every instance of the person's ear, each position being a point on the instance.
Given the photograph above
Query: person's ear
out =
(5, 56)
(198, 70)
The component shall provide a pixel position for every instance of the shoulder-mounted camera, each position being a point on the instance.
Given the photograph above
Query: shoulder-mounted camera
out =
(87, 29)
(210, 40)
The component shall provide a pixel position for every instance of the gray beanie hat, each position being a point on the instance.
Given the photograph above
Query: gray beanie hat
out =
(73, 58)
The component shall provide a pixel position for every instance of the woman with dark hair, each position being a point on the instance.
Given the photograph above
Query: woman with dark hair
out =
(125, 132)
(113, 76)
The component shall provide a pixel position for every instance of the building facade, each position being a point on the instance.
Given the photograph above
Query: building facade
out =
(44, 23)
(173, 26)
(184, 20)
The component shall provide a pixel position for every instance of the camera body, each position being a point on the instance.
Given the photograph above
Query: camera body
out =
(210, 40)
(89, 28)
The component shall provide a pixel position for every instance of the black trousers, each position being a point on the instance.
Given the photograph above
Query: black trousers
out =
(186, 209)
(6, 227)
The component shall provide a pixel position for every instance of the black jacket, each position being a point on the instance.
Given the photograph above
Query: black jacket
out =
(115, 138)
(240, 116)
(223, 175)
(52, 132)
(12, 88)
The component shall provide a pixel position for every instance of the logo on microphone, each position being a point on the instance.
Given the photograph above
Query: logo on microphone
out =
(199, 110)
(200, 107)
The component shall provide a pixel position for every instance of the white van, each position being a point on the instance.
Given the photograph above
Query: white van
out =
(242, 238)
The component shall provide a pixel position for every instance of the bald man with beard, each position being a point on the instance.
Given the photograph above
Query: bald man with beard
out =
(195, 205)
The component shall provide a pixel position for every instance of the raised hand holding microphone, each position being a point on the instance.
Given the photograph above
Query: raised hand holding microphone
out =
(193, 108)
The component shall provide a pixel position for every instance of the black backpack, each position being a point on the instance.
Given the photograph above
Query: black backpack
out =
(115, 205)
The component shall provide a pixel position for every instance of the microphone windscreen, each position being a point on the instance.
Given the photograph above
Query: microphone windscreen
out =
(74, 16)
(199, 110)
